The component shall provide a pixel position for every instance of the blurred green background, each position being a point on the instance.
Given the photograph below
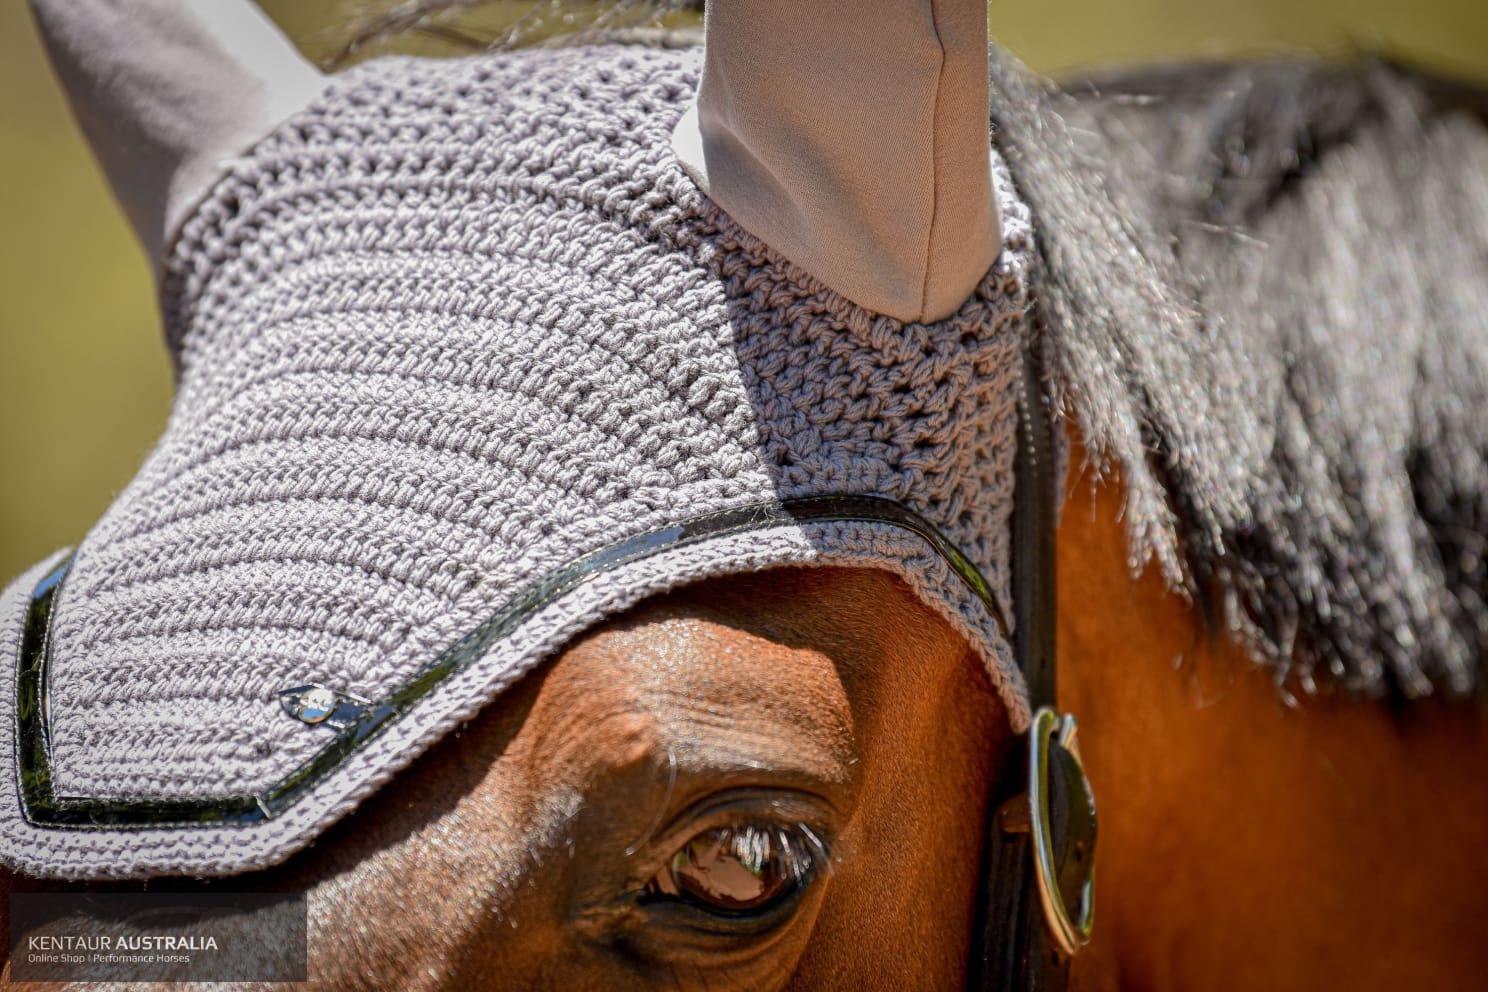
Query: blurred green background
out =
(84, 380)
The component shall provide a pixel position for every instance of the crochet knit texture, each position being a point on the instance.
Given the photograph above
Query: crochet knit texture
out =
(455, 325)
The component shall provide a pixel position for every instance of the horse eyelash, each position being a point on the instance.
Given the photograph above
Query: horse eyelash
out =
(819, 848)
(800, 848)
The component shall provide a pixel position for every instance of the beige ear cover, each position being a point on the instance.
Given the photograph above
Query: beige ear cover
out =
(852, 137)
(166, 90)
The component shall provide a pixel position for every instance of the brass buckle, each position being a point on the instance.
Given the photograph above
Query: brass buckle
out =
(1070, 935)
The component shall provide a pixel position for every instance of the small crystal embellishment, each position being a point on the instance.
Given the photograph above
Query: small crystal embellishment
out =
(311, 703)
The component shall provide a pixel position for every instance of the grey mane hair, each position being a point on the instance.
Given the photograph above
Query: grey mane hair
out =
(1266, 290)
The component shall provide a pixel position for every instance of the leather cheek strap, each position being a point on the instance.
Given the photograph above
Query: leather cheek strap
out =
(1022, 940)
(1016, 950)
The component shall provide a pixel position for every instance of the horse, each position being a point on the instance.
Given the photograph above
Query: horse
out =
(1259, 291)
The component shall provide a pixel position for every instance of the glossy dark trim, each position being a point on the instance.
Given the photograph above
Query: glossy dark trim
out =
(360, 722)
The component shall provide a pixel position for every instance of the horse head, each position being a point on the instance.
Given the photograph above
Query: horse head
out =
(604, 536)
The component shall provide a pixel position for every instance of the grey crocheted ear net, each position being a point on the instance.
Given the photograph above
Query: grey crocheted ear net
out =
(452, 327)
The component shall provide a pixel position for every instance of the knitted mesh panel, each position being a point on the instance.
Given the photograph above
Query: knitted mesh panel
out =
(453, 326)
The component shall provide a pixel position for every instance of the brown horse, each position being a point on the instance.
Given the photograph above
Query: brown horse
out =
(1245, 843)
(1248, 839)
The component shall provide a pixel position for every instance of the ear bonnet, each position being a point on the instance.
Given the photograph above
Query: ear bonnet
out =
(467, 362)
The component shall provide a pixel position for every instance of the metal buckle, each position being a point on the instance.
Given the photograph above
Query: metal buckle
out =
(1070, 935)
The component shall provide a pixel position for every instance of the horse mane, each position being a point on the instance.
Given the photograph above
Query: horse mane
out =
(1265, 289)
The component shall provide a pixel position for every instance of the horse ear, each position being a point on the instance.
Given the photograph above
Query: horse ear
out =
(852, 137)
(165, 90)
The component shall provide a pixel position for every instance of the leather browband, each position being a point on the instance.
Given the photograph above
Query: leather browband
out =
(1039, 856)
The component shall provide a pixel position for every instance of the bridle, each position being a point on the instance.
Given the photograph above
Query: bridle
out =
(1037, 884)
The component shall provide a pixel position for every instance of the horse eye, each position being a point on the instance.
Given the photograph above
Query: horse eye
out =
(739, 870)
